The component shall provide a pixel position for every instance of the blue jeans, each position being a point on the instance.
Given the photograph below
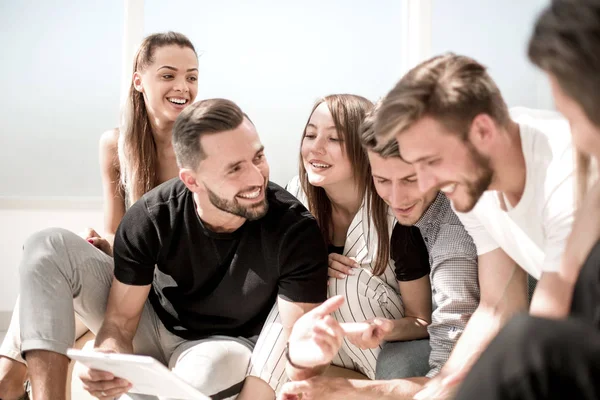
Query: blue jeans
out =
(403, 359)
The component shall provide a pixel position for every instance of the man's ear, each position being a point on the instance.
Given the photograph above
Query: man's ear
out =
(483, 132)
(188, 177)
(137, 82)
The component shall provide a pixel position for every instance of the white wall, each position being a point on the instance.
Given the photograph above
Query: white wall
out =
(60, 74)
(275, 58)
(495, 33)
(62, 64)
(19, 222)
(61, 70)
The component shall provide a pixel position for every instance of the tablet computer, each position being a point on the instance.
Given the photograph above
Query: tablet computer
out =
(147, 375)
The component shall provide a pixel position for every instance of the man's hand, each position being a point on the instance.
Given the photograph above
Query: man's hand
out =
(100, 384)
(368, 334)
(97, 241)
(341, 266)
(316, 337)
(317, 388)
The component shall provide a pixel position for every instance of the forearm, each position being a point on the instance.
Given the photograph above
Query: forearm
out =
(483, 326)
(397, 389)
(552, 297)
(110, 238)
(112, 337)
(297, 374)
(408, 328)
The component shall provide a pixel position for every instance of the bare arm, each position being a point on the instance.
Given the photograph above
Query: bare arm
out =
(396, 389)
(569, 239)
(552, 296)
(112, 192)
(416, 296)
(123, 312)
(554, 292)
(354, 389)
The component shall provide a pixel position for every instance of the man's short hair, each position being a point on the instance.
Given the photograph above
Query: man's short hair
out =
(566, 43)
(450, 88)
(203, 117)
(368, 138)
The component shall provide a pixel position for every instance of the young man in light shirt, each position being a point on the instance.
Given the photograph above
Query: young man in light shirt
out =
(509, 175)
(537, 358)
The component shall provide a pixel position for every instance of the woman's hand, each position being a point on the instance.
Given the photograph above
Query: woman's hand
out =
(341, 266)
(97, 241)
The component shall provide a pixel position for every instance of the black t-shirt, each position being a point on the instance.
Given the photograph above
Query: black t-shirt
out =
(409, 252)
(207, 283)
(335, 249)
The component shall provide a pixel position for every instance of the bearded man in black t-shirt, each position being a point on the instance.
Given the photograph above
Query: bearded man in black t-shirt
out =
(199, 263)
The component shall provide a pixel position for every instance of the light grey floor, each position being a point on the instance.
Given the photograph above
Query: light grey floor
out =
(2, 334)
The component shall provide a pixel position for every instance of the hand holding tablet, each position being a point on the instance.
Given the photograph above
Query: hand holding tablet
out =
(146, 375)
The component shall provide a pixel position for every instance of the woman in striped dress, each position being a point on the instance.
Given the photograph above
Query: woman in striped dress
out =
(365, 242)
(134, 159)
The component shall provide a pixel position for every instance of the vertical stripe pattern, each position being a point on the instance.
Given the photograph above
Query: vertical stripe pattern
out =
(367, 296)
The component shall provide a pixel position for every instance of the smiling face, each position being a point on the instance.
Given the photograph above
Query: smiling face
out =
(396, 183)
(445, 161)
(234, 173)
(323, 156)
(170, 83)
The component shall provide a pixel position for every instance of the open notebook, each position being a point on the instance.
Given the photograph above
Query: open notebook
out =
(147, 375)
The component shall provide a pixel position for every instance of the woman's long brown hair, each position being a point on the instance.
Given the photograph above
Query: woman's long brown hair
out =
(138, 159)
(348, 112)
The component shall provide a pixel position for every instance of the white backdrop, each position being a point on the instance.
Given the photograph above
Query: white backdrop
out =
(61, 72)
(62, 66)
(275, 58)
(496, 33)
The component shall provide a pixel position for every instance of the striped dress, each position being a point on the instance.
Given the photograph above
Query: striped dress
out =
(367, 296)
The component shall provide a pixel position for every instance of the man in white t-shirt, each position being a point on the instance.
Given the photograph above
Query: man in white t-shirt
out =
(532, 226)
(508, 176)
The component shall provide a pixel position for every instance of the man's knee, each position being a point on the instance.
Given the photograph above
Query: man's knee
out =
(214, 366)
(45, 246)
(403, 359)
(49, 241)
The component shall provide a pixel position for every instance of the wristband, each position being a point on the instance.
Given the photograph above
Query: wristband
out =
(289, 360)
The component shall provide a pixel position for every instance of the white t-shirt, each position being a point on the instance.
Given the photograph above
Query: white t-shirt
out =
(533, 232)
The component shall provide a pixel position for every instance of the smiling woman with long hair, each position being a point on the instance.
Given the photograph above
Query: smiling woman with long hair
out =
(134, 158)
(364, 239)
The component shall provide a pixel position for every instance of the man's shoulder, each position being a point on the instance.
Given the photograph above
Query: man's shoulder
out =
(547, 135)
(452, 238)
(285, 208)
(549, 155)
(167, 198)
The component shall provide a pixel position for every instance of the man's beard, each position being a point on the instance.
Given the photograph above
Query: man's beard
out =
(476, 188)
(251, 213)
